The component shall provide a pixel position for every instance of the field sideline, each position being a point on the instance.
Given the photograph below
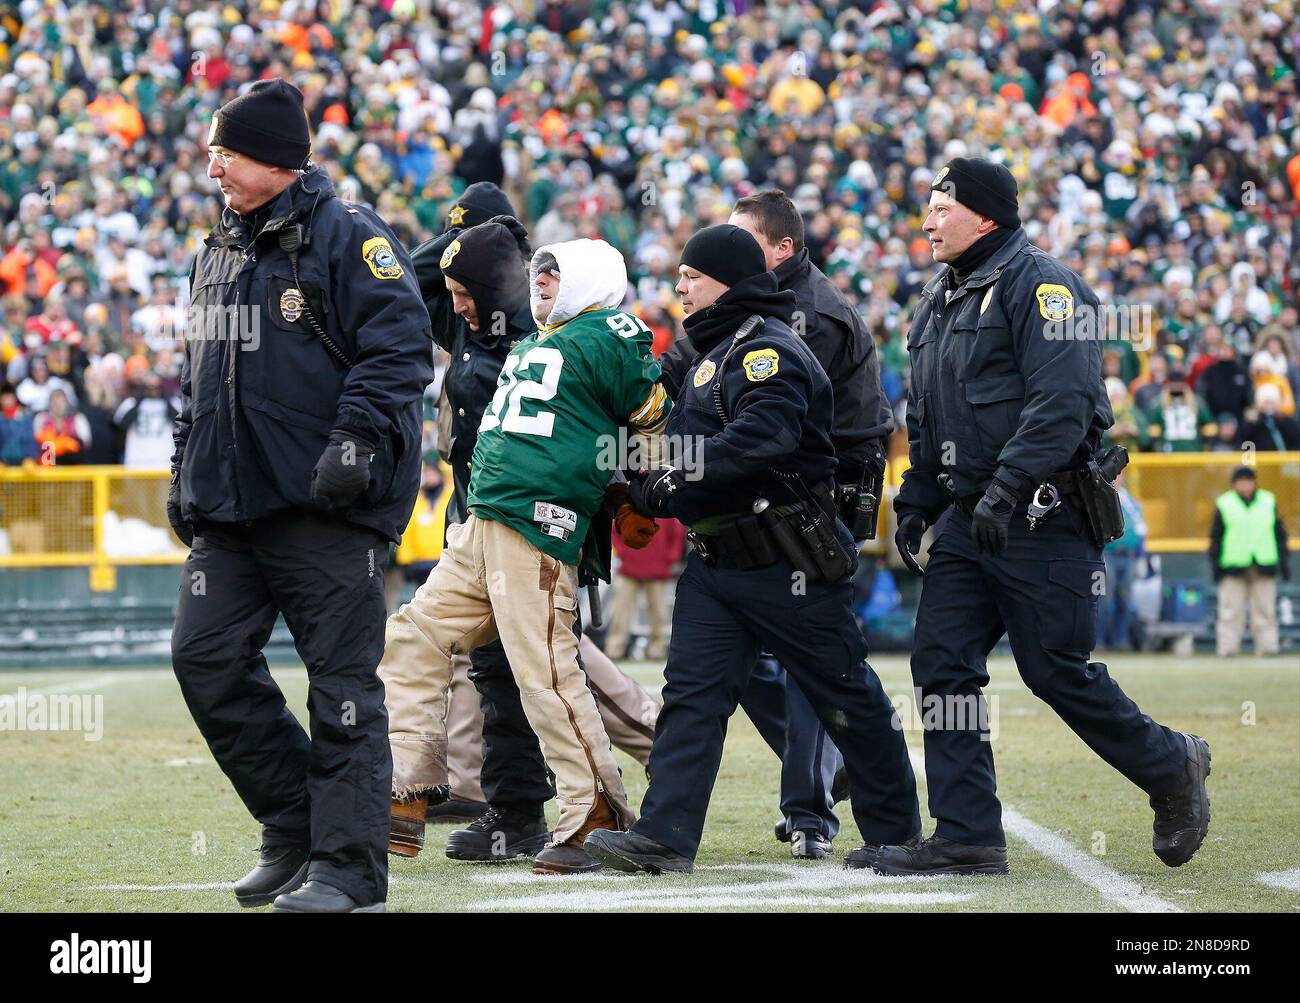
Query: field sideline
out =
(142, 820)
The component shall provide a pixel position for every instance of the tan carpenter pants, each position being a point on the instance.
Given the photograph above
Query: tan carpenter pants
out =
(492, 582)
(623, 612)
(464, 734)
(1237, 594)
(627, 708)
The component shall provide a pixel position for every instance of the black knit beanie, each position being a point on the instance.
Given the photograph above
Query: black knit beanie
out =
(266, 123)
(724, 252)
(486, 260)
(480, 202)
(983, 186)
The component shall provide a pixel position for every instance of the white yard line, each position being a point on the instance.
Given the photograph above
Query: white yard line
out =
(162, 888)
(87, 683)
(788, 885)
(1286, 880)
(1083, 867)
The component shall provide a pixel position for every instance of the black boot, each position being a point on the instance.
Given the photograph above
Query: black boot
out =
(1183, 816)
(937, 855)
(628, 851)
(808, 844)
(317, 896)
(279, 869)
(865, 856)
(455, 811)
(500, 834)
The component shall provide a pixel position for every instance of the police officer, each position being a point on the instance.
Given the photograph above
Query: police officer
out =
(1004, 400)
(770, 568)
(811, 766)
(297, 462)
(475, 285)
(478, 317)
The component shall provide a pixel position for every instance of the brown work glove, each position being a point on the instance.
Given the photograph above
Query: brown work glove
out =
(637, 530)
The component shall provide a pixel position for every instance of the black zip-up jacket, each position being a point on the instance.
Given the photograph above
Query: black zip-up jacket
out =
(261, 393)
(778, 398)
(836, 336)
(998, 387)
(476, 356)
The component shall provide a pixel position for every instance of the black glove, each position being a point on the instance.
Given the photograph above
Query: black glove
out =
(342, 473)
(518, 231)
(991, 518)
(182, 528)
(651, 491)
(907, 539)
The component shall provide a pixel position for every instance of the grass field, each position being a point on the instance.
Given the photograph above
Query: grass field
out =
(142, 820)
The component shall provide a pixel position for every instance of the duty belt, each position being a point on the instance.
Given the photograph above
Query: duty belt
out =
(745, 541)
(1062, 484)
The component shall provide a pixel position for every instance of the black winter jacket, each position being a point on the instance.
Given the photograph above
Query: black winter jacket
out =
(260, 392)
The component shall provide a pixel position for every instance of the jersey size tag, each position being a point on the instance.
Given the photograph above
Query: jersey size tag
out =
(555, 520)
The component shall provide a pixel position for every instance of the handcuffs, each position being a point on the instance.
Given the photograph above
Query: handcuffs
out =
(1045, 502)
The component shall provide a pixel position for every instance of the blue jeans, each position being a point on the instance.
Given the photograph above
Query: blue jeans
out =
(1117, 603)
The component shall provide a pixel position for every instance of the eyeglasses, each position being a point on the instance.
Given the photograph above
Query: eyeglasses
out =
(221, 157)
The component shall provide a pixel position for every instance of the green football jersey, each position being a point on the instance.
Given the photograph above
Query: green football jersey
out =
(541, 463)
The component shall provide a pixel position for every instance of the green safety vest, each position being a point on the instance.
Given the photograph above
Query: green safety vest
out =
(1248, 533)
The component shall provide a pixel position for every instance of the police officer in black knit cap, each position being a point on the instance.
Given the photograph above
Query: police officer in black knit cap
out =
(753, 478)
(1004, 418)
(297, 463)
(474, 280)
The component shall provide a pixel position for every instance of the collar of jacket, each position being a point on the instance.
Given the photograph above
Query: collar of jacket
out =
(518, 327)
(792, 269)
(757, 294)
(986, 272)
(295, 201)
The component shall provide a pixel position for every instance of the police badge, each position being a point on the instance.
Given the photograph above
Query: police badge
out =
(291, 303)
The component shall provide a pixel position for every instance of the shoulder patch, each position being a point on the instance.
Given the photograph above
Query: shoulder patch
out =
(704, 372)
(452, 250)
(1055, 302)
(378, 254)
(761, 364)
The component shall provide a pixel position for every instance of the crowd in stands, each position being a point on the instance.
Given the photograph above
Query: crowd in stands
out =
(1155, 144)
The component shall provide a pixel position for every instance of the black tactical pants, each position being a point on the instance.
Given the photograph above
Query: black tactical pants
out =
(329, 790)
(1042, 592)
(722, 620)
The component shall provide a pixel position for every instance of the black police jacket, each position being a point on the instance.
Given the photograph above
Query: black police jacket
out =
(476, 356)
(260, 392)
(1006, 379)
(836, 336)
(776, 394)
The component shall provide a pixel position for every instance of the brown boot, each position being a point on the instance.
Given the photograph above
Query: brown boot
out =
(569, 857)
(406, 828)
(601, 816)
